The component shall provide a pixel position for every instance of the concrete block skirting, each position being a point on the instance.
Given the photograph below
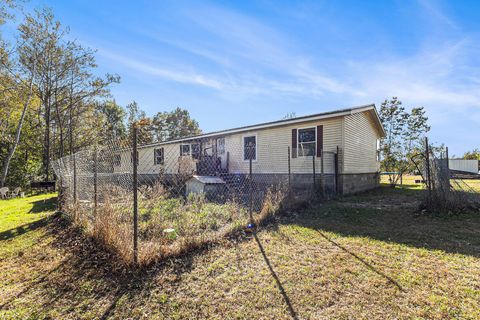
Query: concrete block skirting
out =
(358, 182)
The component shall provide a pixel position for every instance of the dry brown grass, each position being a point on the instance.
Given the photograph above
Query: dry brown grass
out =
(195, 222)
(113, 230)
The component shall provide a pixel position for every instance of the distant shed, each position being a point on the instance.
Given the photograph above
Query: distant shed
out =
(463, 165)
(212, 187)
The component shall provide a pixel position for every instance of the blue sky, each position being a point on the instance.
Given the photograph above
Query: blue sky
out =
(237, 63)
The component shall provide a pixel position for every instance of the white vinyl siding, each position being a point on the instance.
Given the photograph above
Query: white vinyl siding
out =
(273, 143)
(146, 160)
(361, 135)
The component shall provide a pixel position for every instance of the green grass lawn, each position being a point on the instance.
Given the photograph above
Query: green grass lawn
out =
(369, 256)
(18, 212)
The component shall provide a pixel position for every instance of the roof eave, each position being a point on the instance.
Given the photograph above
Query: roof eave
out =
(326, 115)
(379, 122)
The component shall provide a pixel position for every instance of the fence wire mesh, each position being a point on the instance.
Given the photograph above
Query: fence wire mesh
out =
(189, 191)
(445, 192)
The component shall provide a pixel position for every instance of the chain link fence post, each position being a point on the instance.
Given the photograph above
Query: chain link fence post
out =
(289, 174)
(447, 163)
(337, 174)
(427, 163)
(322, 174)
(135, 194)
(314, 174)
(74, 186)
(95, 179)
(250, 149)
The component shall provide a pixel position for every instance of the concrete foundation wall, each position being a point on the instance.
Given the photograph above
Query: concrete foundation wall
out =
(358, 182)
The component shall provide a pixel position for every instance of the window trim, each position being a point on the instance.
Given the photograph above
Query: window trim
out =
(256, 146)
(189, 149)
(155, 157)
(314, 141)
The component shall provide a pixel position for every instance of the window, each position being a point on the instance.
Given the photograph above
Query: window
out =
(117, 159)
(221, 146)
(195, 147)
(250, 148)
(185, 150)
(158, 156)
(306, 142)
(190, 149)
(131, 157)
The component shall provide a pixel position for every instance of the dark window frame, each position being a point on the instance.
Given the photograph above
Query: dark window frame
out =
(300, 144)
(183, 153)
(255, 154)
(156, 156)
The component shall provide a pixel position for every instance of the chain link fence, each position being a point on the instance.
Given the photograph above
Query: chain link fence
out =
(147, 201)
(444, 192)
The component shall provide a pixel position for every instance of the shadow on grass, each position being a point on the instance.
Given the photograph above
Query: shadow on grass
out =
(366, 263)
(88, 265)
(391, 215)
(45, 205)
(36, 281)
(88, 274)
(18, 231)
(277, 280)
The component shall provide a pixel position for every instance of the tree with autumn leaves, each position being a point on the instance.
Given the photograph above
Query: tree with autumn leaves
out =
(53, 103)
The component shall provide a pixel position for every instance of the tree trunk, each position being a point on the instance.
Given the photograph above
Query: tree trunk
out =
(59, 124)
(11, 151)
(47, 103)
(46, 149)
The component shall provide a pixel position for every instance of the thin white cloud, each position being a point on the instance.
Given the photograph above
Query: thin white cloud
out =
(154, 70)
(250, 56)
(433, 10)
(436, 77)
(247, 57)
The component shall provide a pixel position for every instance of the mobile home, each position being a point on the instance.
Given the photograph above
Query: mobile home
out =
(464, 165)
(339, 146)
